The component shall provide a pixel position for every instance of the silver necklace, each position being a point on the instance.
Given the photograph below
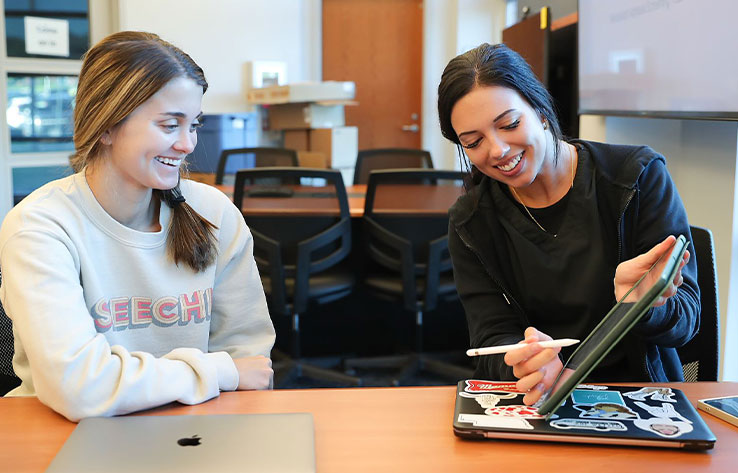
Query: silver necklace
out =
(512, 189)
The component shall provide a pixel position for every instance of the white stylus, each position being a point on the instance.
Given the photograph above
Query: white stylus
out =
(562, 342)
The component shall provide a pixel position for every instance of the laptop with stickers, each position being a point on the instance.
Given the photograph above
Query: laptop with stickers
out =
(190, 443)
(575, 412)
(616, 415)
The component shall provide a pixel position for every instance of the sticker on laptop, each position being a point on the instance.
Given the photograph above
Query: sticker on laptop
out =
(487, 400)
(665, 411)
(481, 386)
(594, 387)
(664, 427)
(606, 410)
(590, 398)
(518, 410)
(586, 424)
(653, 392)
(479, 420)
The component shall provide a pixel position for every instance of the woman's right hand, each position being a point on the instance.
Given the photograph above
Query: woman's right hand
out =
(535, 367)
(254, 372)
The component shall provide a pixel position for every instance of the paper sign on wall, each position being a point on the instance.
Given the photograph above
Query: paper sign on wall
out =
(46, 36)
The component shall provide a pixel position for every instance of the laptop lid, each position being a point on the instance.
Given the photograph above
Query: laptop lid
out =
(652, 416)
(613, 327)
(197, 443)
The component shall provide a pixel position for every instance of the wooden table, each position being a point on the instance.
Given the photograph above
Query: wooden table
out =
(389, 429)
(400, 200)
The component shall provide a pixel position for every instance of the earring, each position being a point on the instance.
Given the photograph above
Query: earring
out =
(545, 124)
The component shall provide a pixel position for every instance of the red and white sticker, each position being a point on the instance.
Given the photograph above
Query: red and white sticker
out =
(486, 400)
(481, 386)
(525, 412)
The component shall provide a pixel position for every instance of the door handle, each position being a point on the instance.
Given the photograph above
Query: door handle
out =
(414, 128)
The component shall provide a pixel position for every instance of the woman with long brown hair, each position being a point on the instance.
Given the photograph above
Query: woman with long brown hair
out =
(128, 286)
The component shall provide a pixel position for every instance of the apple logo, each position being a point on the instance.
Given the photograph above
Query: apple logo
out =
(189, 441)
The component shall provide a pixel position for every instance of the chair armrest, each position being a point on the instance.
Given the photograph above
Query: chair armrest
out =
(275, 268)
(305, 266)
(406, 264)
(433, 270)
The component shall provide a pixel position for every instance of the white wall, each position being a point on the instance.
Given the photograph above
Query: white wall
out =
(222, 35)
(451, 27)
(701, 158)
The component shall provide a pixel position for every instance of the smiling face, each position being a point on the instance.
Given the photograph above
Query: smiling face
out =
(502, 135)
(146, 150)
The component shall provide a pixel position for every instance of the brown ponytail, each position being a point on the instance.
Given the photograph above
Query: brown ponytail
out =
(118, 74)
(191, 237)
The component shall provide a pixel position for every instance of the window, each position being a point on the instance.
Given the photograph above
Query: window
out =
(39, 112)
(74, 12)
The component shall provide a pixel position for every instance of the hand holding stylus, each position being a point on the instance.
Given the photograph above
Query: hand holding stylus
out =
(536, 367)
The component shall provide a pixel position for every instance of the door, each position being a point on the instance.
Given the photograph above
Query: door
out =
(378, 45)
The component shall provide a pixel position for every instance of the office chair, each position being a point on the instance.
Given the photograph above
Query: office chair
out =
(389, 158)
(8, 379)
(300, 237)
(256, 158)
(700, 356)
(406, 243)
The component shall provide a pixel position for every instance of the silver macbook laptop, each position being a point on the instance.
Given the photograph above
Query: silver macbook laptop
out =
(199, 443)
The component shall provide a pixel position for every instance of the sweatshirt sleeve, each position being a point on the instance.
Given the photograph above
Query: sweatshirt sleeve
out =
(491, 319)
(240, 323)
(660, 214)
(72, 368)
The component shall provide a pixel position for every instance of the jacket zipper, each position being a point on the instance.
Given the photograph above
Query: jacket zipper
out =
(511, 300)
(621, 257)
(620, 223)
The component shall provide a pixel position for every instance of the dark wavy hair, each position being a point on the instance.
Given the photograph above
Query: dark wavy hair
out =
(118, 74)
(492, 65)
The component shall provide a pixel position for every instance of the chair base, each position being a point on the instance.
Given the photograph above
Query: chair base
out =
(409, 366)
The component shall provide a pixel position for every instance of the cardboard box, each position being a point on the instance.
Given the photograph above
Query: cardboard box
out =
(295, 116)
(299, 140)
(340, 145)
(303, 92)
(312, 159)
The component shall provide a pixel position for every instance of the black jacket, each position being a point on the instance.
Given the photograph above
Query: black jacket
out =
(635, 191)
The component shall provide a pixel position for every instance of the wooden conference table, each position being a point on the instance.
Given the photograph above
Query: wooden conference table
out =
(401, 199)
(388, 429)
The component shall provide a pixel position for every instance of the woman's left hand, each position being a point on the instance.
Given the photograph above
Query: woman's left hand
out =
(629, 272)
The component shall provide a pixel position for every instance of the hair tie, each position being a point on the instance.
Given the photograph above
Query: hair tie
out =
(174, 196)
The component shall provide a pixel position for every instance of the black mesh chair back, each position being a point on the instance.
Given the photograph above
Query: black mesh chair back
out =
(246, 158)
(406, 226)
(301, 224)
(700, 356)
(389, 158)
(8, 379)
(299, 230)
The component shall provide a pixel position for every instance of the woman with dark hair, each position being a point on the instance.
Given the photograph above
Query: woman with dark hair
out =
(128, 287)
(551, 233)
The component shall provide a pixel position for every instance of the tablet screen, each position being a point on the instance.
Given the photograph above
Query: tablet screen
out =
(621, 318)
